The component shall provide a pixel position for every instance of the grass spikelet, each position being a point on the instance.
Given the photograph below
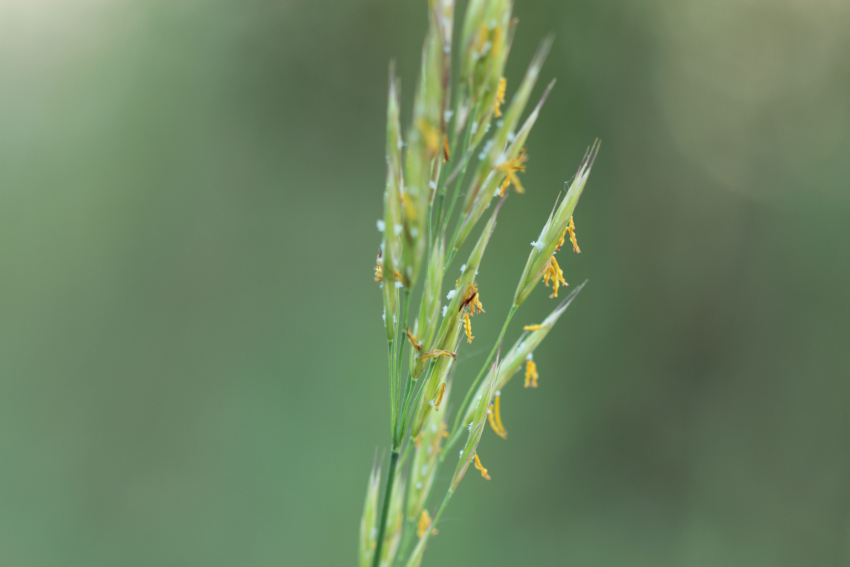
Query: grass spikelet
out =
(543, 249)
(476, 427)
(368, 531)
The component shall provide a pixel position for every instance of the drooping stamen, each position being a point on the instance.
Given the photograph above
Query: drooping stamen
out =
(530, 374)
(553, 272)
(471, 297)
(440, 397)
(480, 467)
(495, 419)
(413, 342)
(572, 230)
(379, 268)
(500, 97)
(510, 167)
(423, 524)
(561, 241)
(438, 352)
(492, 421)
(475, 305)
(467, 327)
(498, 413)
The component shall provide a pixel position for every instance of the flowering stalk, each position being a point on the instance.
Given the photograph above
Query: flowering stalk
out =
(442, 142)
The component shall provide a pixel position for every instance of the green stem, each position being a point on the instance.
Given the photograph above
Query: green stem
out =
(393, 410)
(466, 159)
(402, 329)
(402, 422)
(385, 509)
(407, 416)
(408, 526)
(465, 154)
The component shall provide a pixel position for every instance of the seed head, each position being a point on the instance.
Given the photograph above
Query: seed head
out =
(391, 247)
(426, 136)
(485, 44)
(539, 260)
(504, 148)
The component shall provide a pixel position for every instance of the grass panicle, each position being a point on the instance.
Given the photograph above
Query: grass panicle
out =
(459, 122)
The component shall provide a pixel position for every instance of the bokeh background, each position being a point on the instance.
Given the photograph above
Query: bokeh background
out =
(192, 361)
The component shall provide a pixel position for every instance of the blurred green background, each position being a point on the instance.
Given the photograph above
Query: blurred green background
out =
(192, 360)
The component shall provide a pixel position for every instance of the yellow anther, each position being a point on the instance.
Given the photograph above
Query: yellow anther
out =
(483, 35)
(418, 440)
(423, 524)
(561, 241)
(492, 421)
(446, 154)
(572, 231)
(379, 268)
(532, 327)
(480, 467)
(498, 413)
(469, 294)
(430, 136)
(500, 97)
(467, 326)
(438, 352)
(530, 374)
(472, 299)
(510, 168)
(440, 397)
(556, 274)
(497, 46)
(413, 342)
(476, 304)
(409, 208)
(495, 418)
